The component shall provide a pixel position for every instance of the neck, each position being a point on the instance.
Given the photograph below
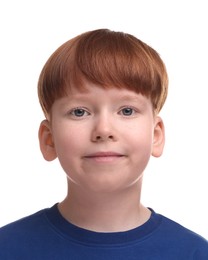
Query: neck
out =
(105, 212)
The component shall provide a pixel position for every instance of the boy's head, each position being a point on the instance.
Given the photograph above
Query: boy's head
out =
(108, 59)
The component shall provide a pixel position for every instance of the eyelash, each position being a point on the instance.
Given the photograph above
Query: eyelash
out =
(127, 108)
(79, 109)
(84, 112)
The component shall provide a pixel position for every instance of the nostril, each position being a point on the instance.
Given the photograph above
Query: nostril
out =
(103, 138)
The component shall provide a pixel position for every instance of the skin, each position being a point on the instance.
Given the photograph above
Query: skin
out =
(103, 140)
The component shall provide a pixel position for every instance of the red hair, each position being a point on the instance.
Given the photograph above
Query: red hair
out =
(108, 59)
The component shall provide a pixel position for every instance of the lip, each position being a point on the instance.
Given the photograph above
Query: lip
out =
(104, 156)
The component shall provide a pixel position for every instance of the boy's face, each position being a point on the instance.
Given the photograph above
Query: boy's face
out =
(102, 138)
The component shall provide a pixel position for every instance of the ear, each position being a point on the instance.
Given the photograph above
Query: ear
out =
(46, 141)
(158, 137)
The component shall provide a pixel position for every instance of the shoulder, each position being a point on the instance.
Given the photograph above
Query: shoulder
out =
(20, 239)
(176, 234)
(177, 229)
(23, 227)
(27, 219)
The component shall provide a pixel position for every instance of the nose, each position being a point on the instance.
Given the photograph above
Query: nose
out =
(103, 130)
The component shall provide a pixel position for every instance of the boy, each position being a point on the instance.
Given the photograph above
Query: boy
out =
(101, 93)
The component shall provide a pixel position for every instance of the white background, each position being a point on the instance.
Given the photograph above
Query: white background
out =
(175, 184)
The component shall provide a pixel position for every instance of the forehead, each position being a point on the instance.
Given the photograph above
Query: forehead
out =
(97, 95)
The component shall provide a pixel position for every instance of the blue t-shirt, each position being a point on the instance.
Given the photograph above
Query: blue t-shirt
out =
(47, 235)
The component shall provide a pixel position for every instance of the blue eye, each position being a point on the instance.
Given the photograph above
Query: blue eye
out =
(79, 112)
(127, 111)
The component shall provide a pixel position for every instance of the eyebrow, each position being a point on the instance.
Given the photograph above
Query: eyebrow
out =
(137, 99)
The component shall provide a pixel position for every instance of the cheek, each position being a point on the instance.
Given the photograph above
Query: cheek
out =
(140, 136)
(69, 142)
(140, 144)
(67, 150)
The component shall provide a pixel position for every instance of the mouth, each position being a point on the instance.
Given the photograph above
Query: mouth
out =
(104, 156)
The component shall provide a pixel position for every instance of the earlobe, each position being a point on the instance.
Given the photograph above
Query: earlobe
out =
(158, 138)
(46, 141)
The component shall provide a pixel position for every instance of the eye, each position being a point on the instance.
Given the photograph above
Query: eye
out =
(127, 111)
(79, 112)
